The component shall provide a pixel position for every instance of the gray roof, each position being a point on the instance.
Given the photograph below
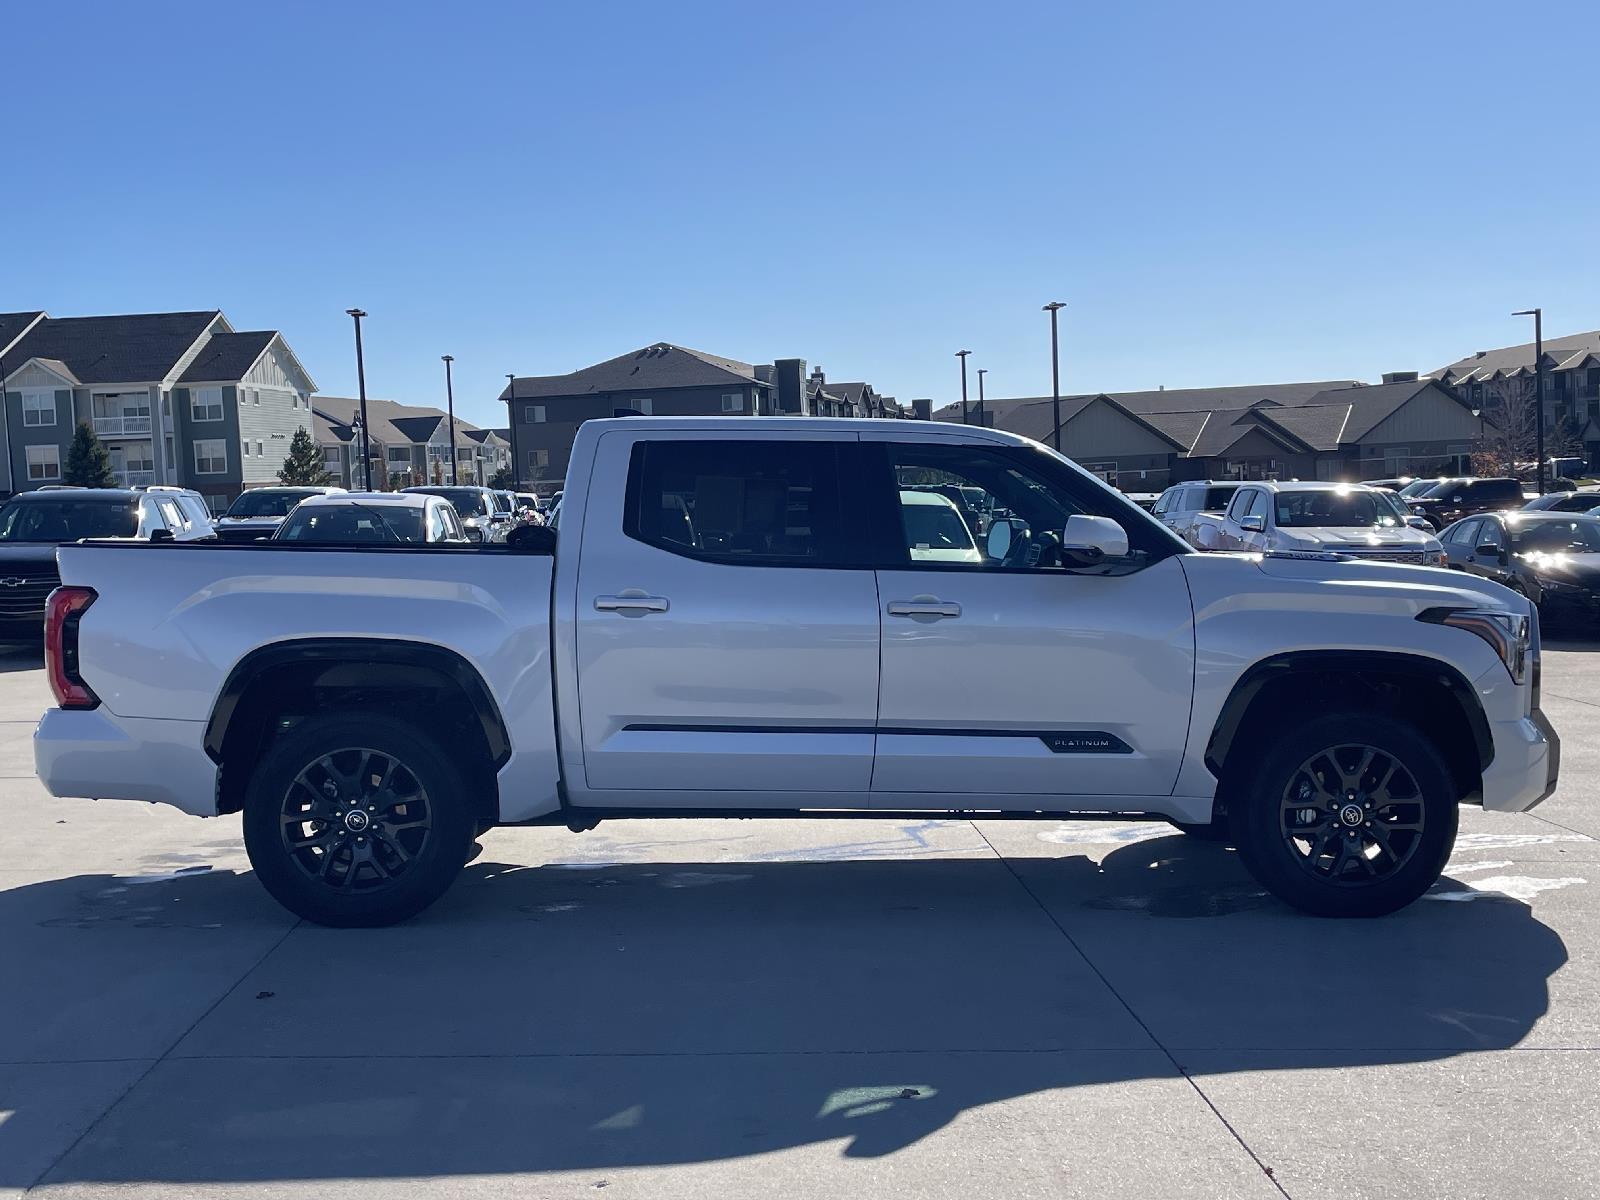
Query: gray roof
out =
(853, 392)
(228, 356)
(1484, 363)
(393, 423)
(133, 348)
(13, 325)
(654, 368)
(1172, 400)
(1228, 427)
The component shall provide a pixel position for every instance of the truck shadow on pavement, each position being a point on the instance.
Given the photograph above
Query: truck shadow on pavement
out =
(593, 1016)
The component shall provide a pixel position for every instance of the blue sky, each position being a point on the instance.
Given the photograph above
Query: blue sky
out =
(1222, 193)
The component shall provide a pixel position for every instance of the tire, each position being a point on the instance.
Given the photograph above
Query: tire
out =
(367, 864)
(1343, 842)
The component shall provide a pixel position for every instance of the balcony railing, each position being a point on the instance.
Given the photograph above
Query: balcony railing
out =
(120, 426)
(135, 478)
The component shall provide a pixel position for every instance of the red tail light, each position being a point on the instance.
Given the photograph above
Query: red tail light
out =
(62, 612)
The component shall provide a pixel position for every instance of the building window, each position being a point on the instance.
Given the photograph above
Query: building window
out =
(463, 455)
(259, 451)
(399, 456)
(535, 414)
(205, 404)
(44, 463)
(538, 459)
(211, 457)
(330, 455)
(733, 402)
(255, 396)
(644, 406)
(38, 408)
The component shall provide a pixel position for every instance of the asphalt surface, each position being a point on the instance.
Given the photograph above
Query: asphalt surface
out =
(814, 1009)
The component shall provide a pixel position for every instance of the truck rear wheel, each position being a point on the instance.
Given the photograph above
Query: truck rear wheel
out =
(1348, 815)
(356, 820)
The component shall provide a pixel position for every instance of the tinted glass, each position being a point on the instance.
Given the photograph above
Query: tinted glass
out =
(1333, 509)
(934, 532)
(265, 504)
(1418, 487)
(747, 502)
(354, 524)
(466, 501)
(1495, 489)
(1578, 536)
(1216, 498)
(67, 519)
(1464, 533)
(1439, 488)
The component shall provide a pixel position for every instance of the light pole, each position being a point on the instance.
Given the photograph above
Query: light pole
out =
(511, 407)
(1538, 384)
(962, 355)
(450, 409)
(1052, 308)
(982, 371)
(356, 314)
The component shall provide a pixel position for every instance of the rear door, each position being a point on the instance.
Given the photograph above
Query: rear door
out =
(726, 623)
(1014, 677)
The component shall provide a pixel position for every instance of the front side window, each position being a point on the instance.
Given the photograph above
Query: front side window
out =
(211, 457)
(67, 519)
(1490, 535)
(1466, 532)
(38, 408)
(1238, 505)
(205, 404)
(762, 503)
(44, 463)
(981, 508)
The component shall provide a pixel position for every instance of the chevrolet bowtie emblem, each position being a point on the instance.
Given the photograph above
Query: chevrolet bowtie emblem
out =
(12, 581)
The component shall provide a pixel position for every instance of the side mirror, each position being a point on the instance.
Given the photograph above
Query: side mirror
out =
(161, 535)
(532, 539)
(1488, 550)
(999, 541)
(1420, 523)
(1254, 523)
(1087, 540)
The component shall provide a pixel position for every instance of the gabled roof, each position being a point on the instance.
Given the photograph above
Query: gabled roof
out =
(54, 365)
(1484, 363)
(393, 423)
(132, 348)
(324, 431)
(654, 368)
(854, 393)
(1370, 406)
(1226, 429)
(228, 356)
(1037, 419)
(14, 325)
(1172, 400)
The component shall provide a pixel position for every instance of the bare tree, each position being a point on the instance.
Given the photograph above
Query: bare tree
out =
(1509, 444)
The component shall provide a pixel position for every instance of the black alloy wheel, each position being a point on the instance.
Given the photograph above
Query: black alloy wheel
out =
(1351, 814)
(355, 819)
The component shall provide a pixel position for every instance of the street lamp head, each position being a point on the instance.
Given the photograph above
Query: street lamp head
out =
(983, 370)
(1052, 306)
(354, 312)
(447, 358)
(962, 353)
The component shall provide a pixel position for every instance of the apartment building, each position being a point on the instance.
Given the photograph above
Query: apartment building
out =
(409, 444)
(1571, 384)
(667, 380)
(179, 398)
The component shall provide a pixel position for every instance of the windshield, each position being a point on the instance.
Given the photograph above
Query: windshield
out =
(468, 502)
(1578, 536)
(935, 527)
(1334, 509)
(68, 519)
(265, 504)
(352, 523)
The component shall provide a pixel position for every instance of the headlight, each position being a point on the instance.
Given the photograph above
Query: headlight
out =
(1509, 634)
(1434, 557)
(1419, 511)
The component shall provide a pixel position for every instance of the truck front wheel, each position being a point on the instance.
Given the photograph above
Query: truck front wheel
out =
(1348, 815)
(356, 819)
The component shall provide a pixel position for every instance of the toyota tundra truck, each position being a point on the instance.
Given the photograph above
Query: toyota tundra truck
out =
(744, 616)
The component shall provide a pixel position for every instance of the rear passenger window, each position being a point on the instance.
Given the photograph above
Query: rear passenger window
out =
(761, 503)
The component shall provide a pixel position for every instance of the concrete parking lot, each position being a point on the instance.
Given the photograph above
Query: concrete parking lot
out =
(822, 1008)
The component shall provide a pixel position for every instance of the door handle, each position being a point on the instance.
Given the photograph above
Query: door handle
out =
(924, 606)
(630, 601)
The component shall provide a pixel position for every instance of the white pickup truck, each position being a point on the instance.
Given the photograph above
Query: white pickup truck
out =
(734, 620)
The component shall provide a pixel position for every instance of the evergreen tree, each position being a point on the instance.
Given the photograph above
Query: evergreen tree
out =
(88, 461)
(502, 479)
(304, 466)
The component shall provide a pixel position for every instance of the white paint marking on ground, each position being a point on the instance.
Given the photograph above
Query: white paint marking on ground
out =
(1513, 887)
(1096, 833)
(1511, 841)
(1455, 868)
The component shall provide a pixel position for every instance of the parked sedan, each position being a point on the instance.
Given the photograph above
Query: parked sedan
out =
(373, 518)
(1580, 501)
(258, 512)
(477, 508)
(1552, 558)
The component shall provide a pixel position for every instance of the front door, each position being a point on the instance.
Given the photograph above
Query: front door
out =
(727, 633)
(1009, 678)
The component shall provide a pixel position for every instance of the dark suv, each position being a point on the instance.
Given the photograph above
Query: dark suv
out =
(1451, 499)
(33, 524)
